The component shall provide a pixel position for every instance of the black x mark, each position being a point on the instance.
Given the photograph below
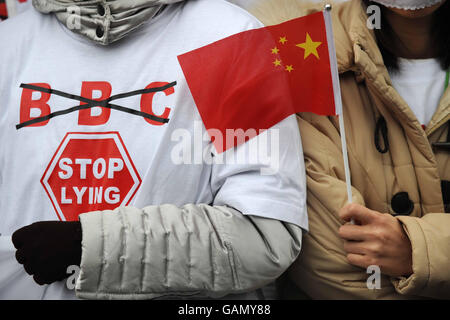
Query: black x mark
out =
(94, 103)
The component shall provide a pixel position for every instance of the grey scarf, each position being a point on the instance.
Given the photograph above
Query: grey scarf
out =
(102, 21)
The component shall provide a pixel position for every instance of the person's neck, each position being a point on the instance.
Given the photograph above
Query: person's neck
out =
(414, 35)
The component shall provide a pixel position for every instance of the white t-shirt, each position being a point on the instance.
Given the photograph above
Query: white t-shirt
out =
(82, 161)
(421, 84)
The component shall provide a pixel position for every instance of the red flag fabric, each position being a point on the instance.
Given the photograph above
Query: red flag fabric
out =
(3, 10)
(255, 79)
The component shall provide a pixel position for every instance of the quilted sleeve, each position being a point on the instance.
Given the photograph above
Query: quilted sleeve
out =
(195, 250)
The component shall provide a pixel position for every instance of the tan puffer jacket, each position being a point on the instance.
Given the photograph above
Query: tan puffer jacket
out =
(380, 181)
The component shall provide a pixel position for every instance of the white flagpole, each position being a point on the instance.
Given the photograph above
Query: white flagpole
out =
(11, 8)
(338, 98)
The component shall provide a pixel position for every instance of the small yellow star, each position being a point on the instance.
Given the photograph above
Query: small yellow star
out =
(289, 68)
(275, 50)
(310, 47)
(277, 63)
(283, 40)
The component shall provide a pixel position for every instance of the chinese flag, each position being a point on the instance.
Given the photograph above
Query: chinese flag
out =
(255, 79)
(3, 10)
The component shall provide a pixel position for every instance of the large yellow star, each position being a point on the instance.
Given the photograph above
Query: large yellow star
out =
(310, 47)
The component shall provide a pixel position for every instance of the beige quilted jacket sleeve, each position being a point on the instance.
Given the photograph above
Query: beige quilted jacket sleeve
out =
(195, 250)
(430, 240)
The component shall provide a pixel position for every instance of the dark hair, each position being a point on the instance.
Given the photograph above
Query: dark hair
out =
(386, 37)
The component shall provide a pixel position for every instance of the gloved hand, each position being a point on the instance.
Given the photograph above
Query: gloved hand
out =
(47, 248)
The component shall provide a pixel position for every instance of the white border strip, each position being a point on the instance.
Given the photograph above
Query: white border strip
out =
(338, 97)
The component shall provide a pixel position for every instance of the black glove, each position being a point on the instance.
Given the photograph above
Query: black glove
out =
(46, 249)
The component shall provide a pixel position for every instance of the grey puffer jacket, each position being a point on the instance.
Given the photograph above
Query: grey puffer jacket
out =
(196, 250)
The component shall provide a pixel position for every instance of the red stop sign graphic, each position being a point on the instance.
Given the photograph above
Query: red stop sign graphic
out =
(90, 171)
